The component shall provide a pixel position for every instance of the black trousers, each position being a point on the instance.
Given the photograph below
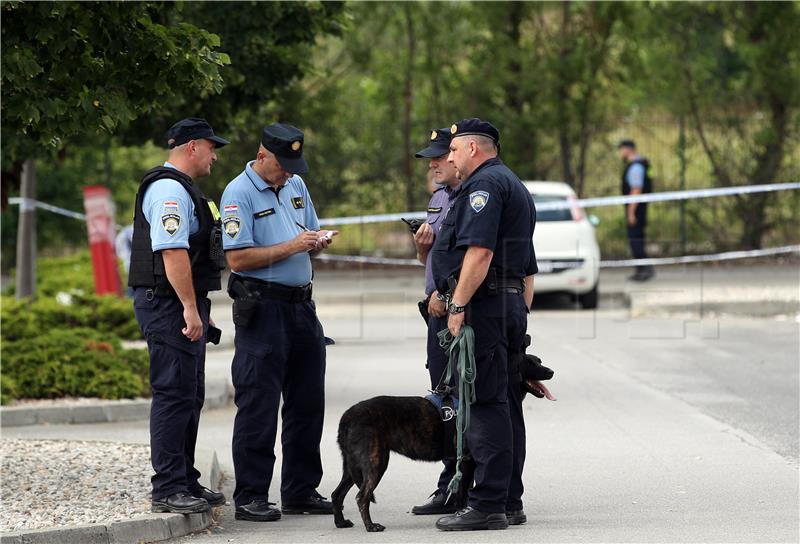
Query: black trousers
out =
(280, 354)
(437, 363)
(177, 379)
(637, 234)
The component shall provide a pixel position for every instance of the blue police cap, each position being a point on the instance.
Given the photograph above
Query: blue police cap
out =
(626, 143)
(192, 128)
(438, 145)
(475, 127)
(286, 143)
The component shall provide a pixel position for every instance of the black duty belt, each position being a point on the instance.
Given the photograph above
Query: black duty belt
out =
(277, 291)
(153, 292)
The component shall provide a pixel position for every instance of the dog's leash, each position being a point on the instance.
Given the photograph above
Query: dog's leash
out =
(461, 352)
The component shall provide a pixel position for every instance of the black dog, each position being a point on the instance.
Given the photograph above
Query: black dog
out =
(410, 426)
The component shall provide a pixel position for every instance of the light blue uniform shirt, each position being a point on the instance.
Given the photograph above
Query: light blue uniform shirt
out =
(635, 176)
(254, 215)
(170, 211)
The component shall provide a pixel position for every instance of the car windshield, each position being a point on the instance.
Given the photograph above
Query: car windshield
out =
(551, 215)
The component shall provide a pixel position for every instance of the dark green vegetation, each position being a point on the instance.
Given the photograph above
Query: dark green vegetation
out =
(710, 91)
(69, 345)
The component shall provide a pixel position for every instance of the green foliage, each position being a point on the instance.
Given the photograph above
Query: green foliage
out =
(71, 362)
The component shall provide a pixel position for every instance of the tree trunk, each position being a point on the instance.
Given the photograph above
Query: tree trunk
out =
(26, 233)
(408, 169)
(563, 102)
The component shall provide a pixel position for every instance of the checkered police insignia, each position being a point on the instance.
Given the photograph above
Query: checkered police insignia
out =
(231, 225)
(296, 145)
(433, 135)
(171, 222)
(478, 200)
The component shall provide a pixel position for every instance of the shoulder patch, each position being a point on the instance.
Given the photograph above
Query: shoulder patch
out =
(231, 225)
(170, 205)
(230, 209)
(264, 213)
(298, 202)
(478, 200)
(171, 222)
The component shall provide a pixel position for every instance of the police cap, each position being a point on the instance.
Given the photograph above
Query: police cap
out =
(286, 143)
(438, 145)
(475, 127)
(626, 143)
(192, 128)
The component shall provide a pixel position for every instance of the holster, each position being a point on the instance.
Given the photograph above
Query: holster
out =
(423, 308)
(245, 302)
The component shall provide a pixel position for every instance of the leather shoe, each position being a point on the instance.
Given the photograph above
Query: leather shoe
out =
(516, 517)
(213, 498)
(470, 519)
(315, 504)
(436, 504)
(258, 510)
(179, 503)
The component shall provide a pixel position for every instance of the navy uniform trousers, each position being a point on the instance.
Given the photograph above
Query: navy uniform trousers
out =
(637, 233)
(437, 363)
(177, 379)
(496, 434)
(280, 353)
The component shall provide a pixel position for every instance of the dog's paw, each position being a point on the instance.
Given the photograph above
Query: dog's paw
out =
(375, 528)
(344, 524)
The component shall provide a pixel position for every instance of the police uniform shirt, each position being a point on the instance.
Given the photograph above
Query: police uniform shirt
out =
(635, 174)
(494, 211)
(170, 211)
(438, 206)
(256, 215)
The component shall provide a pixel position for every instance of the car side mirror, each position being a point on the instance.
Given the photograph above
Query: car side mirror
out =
(594, 220)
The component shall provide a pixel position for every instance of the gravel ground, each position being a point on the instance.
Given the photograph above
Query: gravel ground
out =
(46, 483)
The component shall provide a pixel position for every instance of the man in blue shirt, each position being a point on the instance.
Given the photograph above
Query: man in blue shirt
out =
(176, 259)
(445, 175)
(635, 181)
(270, 233)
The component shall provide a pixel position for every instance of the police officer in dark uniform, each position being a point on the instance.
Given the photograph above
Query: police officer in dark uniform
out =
(481, 258)
(636, 180)
(271, 230)
(176, 259)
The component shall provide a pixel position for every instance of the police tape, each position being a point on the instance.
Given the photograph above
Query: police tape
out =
(587, 202)
(27, 204)
(658, 261)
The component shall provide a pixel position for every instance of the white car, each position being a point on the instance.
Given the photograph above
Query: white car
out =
(566, 247)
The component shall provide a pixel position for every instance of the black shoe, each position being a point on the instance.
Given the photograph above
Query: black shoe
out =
(516, 517)
(258, 510)
(213, 498)
(643, 274)
(470, 519)
(315, 504)
(436, 504)
(179, 503)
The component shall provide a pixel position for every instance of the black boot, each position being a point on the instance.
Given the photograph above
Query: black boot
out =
(179, 503)
(470, 519)
(516, 517)
(258, 510)
(213, 498)
(315, 504)
(437, 503)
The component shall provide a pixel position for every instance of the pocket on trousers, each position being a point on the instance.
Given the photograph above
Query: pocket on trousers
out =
(172, 364)
(247, 361)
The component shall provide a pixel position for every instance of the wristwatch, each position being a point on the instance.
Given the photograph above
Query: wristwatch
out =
(453, 309)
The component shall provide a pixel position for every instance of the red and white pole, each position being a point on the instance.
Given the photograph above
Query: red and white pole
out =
(100, 224)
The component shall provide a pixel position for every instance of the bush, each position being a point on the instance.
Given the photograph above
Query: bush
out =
(72, 362)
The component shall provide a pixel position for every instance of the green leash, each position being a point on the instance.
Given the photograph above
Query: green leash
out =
(461, 351)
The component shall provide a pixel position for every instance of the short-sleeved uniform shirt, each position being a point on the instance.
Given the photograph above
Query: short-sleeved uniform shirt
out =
(257, 215)
(170, 211)
(438, 206)
(492, 210)
(635, 174)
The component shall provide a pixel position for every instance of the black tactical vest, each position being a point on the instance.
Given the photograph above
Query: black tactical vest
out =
(205, 246)
(647, 187)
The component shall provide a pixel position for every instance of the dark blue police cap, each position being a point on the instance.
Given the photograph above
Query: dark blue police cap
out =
(476, 127)
(286, 143)
(627, 143)
(193, 128)
(439, 144)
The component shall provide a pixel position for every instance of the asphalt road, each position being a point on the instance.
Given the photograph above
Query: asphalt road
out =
(665, 430)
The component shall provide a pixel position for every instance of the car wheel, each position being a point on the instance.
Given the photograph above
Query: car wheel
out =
(589, 300)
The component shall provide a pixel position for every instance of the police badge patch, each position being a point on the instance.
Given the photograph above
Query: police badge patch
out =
(478, 200)
(231, 225)
(171, 222)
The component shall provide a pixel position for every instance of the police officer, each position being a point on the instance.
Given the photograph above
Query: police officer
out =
(444, 174)
(270, 233)
(481, 258)
(636, 180)
(176, 258)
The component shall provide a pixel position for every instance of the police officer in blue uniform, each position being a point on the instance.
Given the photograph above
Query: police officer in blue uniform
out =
(176, 259)
(445, 175)
(636, 180)
(481, 259)
(270, 233)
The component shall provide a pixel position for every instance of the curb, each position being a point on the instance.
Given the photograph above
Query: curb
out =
(218, 394)
(146, 528)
